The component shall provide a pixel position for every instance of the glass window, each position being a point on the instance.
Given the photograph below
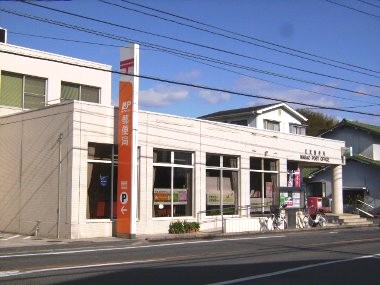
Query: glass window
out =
(212, 160)
(72, 91)
(181, 157)
(271, 125)
(22, 91)
(34, 92)
(297, 129)
(90, 94)
(270, 164)
(255, 163)
(172, 183)
(222, 184)
(69, 91)
(263, 182)
(101, 188)
(160, 155)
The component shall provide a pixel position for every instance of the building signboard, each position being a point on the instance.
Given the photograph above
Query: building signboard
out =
(127, 142)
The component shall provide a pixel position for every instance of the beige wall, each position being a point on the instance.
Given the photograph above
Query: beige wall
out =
(29, 153)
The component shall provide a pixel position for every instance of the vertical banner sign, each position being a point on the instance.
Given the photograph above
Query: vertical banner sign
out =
(127, 140)
(297, 178)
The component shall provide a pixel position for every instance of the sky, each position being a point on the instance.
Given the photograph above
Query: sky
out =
(322, 53)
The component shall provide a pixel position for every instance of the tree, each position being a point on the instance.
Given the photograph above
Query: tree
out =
(317, 122)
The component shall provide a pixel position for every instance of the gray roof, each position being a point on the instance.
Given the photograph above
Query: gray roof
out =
(251, 111)
(239, 111)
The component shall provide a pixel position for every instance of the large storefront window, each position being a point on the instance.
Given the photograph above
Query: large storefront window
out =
(172, 183)
(101, 187)
(222, 184)
(263, 182)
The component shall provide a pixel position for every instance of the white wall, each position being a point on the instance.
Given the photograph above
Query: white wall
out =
(201, 137)
(55, 72)
(279, 115)
(29, 163)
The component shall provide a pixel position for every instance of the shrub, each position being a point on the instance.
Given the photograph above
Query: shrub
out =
(178, 227)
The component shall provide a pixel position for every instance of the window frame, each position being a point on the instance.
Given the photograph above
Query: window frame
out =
(79, 86)
(274, 123)
(173, 165)
(221, 168)
(24, 78)
(263, 172)
(300, 129)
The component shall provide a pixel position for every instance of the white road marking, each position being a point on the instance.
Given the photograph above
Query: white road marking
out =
(135, 247)
(12, 237)
(8, 273)
(28, 237)
(254, 277)
(18, 273)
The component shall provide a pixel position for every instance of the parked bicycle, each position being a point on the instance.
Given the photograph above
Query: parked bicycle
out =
(276, 221)
(317, 218)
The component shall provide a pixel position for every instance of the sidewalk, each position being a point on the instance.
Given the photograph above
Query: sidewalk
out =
(9, 240)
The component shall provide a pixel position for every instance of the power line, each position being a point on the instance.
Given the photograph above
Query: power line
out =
(204, 63)
(368, 3)
(192, 85)
(241, 35)
(354, 9)
(201, 45)
(78, 28)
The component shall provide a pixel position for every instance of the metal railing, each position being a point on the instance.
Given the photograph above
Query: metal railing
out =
(232, 212)
(364, 208)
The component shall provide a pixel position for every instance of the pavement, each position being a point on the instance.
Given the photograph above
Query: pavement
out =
(11, 240)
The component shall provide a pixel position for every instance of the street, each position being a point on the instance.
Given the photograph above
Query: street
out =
(336, 256)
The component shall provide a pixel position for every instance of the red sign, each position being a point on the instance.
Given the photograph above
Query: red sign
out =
(124, 187)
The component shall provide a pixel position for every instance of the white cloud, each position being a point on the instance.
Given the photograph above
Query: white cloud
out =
(262, 88)
(162, 95)
(214, 97)
(190, 75)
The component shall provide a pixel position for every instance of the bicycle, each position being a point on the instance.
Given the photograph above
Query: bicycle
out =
(319, 218)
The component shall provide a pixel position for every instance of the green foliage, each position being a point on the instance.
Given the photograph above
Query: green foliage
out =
(317, 122)
(181, 227)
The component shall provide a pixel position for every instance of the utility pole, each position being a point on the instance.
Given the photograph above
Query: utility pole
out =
(59, 180)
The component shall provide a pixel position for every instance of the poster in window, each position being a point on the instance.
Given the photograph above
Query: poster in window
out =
(269, 189)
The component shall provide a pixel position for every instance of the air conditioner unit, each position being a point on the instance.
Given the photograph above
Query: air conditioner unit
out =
(3, 35)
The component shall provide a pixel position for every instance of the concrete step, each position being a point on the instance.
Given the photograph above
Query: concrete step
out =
(348, 220)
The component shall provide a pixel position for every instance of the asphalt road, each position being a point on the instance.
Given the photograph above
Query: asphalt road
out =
(338, 256)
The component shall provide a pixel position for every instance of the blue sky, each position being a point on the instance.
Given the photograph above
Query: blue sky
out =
(315, 27)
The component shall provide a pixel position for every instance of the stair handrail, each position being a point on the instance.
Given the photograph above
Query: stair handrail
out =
(365, 204)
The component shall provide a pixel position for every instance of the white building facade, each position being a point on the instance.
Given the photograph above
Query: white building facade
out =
(59, 162)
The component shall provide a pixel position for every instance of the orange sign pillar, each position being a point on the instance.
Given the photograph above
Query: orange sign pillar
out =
(127, 144)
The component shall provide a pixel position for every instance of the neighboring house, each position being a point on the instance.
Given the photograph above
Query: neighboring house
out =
(361, 173)
(275, 117)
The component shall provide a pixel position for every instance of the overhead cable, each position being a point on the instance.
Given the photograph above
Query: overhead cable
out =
(191, 84)
(241, 35)
(107, 35)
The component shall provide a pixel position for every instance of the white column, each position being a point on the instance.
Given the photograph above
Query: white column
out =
(337, 189)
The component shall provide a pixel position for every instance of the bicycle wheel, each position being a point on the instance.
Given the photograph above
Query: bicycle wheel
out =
(322, 220)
